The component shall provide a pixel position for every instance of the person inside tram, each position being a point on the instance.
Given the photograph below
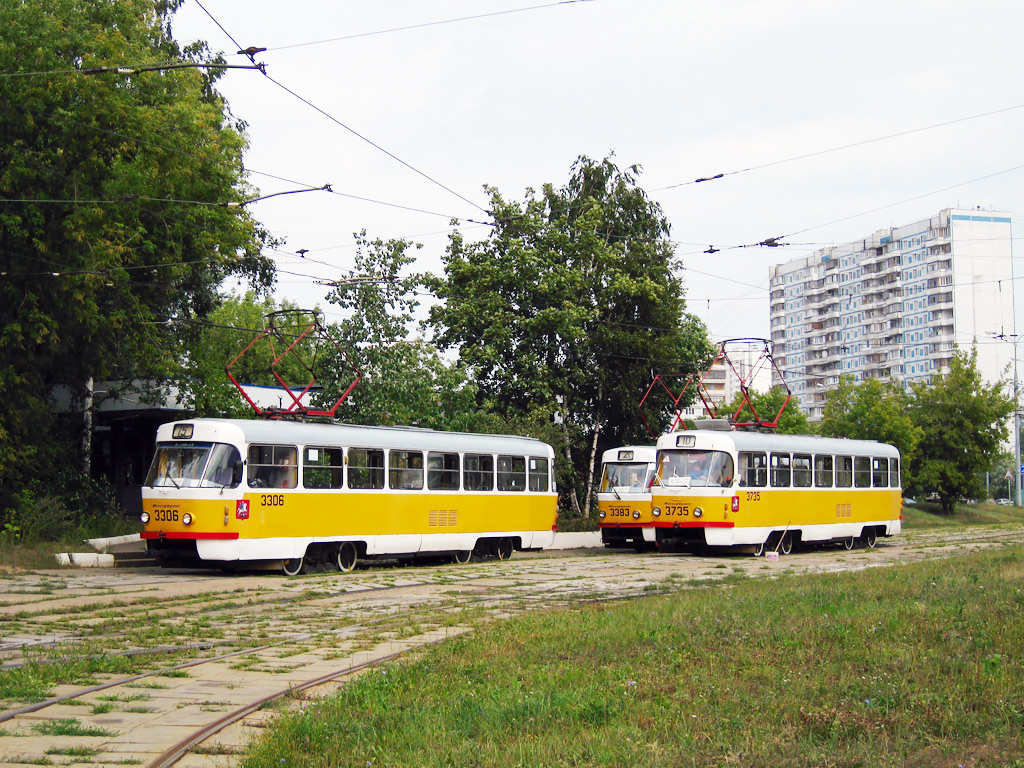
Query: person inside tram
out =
(700, 462)
(284, 476)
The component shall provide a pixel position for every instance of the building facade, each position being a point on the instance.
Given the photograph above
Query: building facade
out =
(895, 305)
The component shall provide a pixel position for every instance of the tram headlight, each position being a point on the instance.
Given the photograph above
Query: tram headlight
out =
(697, 511)
(144, 517)
(636, 514)
(186, 519)
(656, 511)
(602, 514)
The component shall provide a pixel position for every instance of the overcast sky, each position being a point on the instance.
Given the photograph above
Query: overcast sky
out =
(684, 89)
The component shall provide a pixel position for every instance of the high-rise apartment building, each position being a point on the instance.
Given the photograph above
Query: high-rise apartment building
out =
(895, 305)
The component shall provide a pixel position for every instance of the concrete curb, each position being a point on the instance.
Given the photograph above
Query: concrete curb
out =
(85, 559)
(102, 545)
(577, 540)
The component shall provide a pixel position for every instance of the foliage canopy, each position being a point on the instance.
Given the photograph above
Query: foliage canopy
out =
(570, 306)
(963, 423)
(113, 206)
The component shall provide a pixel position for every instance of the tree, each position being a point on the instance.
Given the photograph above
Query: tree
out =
(404, 380)
(113, 207)
(793, 421)
(963, 423)
(872, 410)
(570, 306)
(221, 338)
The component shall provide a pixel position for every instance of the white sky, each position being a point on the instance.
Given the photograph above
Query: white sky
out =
(684, 89)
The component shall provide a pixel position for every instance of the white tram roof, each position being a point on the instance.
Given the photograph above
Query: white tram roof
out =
(641, 453)
(764, 441)
(352, 435)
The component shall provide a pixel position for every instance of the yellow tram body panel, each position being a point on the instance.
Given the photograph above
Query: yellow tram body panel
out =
(290, 513)
(772, 507)
(203, 499)
(737, 488)
(624, 496)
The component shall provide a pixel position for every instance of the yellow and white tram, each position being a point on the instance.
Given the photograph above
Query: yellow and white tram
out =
(773, 492)
(624, 497)
(240, 492)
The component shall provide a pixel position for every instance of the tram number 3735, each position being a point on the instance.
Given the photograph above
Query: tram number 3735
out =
(676, 510)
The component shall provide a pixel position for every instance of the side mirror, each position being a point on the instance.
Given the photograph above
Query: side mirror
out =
(236, 472)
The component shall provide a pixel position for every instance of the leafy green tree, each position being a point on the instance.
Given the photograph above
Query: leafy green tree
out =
(872, 410)
(963, 422)
(233, 326)
(570, 306)
(114, 217)
(793, 421)
(404, 380)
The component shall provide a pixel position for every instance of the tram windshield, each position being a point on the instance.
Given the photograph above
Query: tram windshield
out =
(695, 468)
(631, 477)
(195, 465)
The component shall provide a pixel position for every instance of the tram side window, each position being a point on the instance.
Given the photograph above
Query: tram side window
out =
(272, 466)
(405, 470)
(221, 469)
(822, 471)
(802, 470)
(844, 471)
(323, 467)
(365, 468)
(879, 473)
(442, 471)
(478, 472)
(894, 473)
(754, 469)
(538, 474)
(781, 470)
(511, 473)
(862, 472)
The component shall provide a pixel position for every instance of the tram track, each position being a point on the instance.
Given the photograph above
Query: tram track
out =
(305, 635)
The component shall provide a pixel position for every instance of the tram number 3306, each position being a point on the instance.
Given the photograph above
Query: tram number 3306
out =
(272, 499)
(165, 515)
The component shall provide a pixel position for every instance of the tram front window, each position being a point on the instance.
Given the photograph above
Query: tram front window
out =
(180, 465)
(624, 477)
(696, 469)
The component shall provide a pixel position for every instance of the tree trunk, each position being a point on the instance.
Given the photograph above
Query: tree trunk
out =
(87, 399)
(573, 498)
(590, 469)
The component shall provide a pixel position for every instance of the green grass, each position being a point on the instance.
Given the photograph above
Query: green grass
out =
(69, 727)
(929, 515)
(913, 665)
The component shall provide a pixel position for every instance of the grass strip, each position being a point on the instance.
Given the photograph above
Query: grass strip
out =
(903, 666)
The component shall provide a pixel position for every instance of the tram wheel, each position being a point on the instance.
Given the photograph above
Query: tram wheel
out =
(504, 549)
(293, 566)
(786, 547)
(347, 557)
(759, 549)
(463, 556)
(869, 537)
(850, 542)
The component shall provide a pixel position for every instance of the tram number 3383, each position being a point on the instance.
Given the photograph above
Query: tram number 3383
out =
(619, 512)
(271, 499)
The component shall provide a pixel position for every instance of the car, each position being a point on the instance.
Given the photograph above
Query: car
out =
(1004, 502)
